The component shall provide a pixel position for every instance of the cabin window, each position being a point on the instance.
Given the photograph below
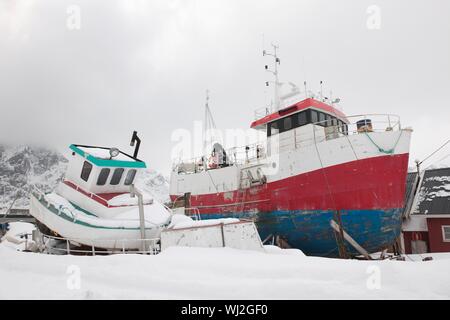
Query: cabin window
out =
(345, 129)
(130, 177)
(322, 119)
(287, 124)
(273, 128)
(117, 176)
(446, 233)
(86, 171)
(334, 122)
(103, 176)
(340, 125)
(331, 121)
(302, 118)
(314, 116)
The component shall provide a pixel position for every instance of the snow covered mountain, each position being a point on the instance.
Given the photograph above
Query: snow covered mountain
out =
(24, 166)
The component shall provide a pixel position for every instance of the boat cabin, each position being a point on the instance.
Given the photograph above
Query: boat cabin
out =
(102, 170)
(308, 111)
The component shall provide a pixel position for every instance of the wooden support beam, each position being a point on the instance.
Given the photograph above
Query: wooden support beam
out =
(350, 240)
(340, 236)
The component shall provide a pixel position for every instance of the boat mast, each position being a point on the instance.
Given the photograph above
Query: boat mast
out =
(276, 83)
(209, 126)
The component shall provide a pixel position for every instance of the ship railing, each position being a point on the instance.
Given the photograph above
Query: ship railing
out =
(262, 112)
(321, 131)
(91, 195)
(74, 246)
(235, 156)
(375, 122)
(329, 129)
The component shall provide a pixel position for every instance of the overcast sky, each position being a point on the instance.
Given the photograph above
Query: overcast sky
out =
(145, 66)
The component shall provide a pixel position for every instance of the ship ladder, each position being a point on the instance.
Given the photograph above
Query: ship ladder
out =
(240, 204)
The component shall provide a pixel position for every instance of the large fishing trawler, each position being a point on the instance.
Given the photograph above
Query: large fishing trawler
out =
(317, 167)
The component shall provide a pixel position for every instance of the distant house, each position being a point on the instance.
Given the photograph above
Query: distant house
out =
(426, 226)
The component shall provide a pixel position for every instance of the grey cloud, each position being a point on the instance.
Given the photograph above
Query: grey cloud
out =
(145, 65)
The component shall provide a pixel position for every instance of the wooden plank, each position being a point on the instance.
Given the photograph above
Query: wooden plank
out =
(350, 240)
(17, 218)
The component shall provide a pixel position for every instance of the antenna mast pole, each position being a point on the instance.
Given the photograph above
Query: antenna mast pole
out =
(275, 73)
(205, 123)
(277, 83)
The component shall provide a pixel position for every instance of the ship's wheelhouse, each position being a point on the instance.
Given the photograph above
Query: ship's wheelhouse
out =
(303, 118)
(102, 170)
(303, 113)
(304, 123)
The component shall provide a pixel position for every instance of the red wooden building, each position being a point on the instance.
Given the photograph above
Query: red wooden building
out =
(426, 227)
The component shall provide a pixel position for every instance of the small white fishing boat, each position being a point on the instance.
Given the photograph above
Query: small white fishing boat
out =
(97, 205)
(94, 203)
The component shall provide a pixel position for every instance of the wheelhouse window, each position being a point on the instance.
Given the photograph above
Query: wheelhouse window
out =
(103, 176)
(86, 171)
(345, 128)
(287, 123)
(302, 118)
(314, 116)
(130, 177)
(117, 176)
(334, 122)
(322, 119)
(273, 129)
(329, 120)
(446, 233)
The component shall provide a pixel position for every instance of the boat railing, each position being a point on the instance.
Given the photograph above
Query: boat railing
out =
(320, 131)
(262, 112)
(374, 122)
(356, 124)
(234, 156)
(98, 247)
(91, 195)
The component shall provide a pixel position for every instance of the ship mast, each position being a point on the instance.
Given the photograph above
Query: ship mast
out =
(209, 125)
(276, 83)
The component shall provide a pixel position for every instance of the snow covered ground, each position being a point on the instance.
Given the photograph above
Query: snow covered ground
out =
(218, 273)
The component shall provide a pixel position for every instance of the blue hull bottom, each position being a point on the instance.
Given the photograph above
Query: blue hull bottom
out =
(310, 231)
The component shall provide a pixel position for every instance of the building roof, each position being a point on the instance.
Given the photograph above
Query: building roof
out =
(410, 179)
(302, 105)
(433, 196)
(100, 157)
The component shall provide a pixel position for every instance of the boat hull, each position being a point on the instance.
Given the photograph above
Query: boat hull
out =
(310, 231)
(367, 193)
(362, 177)
(80, 230)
